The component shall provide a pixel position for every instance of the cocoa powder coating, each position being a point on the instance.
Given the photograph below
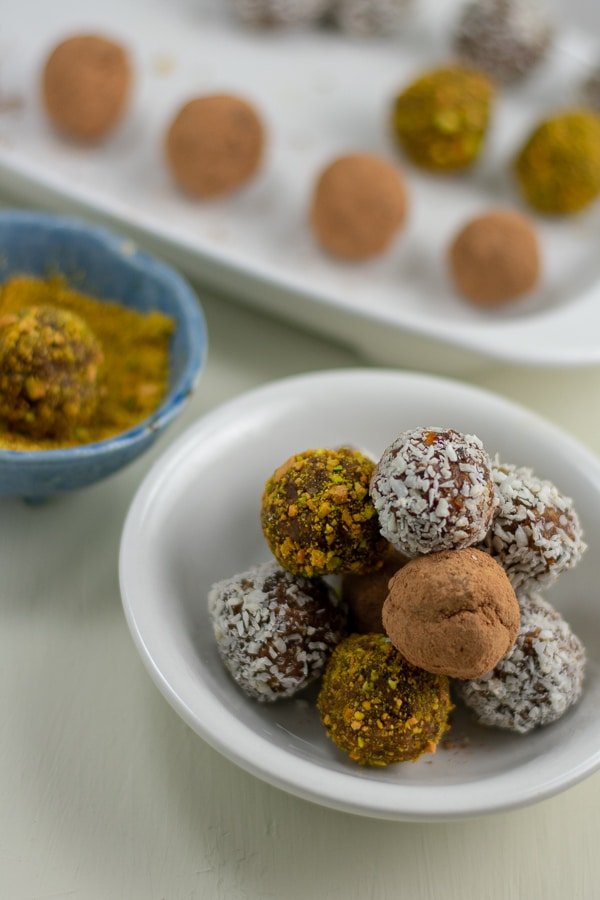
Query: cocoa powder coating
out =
(495, 258)
(214, 145)
(358, 206)
(85, 86)
(452, 613)
(365, 594)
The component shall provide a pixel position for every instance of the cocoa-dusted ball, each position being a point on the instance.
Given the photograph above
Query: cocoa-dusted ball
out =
(453, 613)
(433, 490)
(365, 594)
(214, 145)
(538, 680)
(317, 516)
(536, 533)
(504, 38)
(495, 258)
(358, 206)
(274, 630)
(49, 371)
(85, 86)
(378, 708)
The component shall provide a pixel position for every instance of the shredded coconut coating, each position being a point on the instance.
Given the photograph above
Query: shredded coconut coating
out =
(536, 534)
(274, 631)
(370, 17)
(280, 12)
(538, 681)
(505, 38)
(591, 89)
(378, 708)
(433, 491)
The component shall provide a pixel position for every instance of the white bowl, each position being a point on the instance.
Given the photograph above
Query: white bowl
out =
(195, 520)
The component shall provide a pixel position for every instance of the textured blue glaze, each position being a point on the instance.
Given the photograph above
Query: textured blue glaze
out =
(108, 267)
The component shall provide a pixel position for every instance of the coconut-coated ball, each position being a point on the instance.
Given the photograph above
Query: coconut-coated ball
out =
(376, 707)
(495, 258)
(269, 13)
(317, 516)
(441, 119)
(558, 167)
(504, 38)
(358, 206)
(538, 681)
(370, 17)
(274, 630)
(85, 86)
(215, 145)
(433, 490)
(49, 371)
(536, 533)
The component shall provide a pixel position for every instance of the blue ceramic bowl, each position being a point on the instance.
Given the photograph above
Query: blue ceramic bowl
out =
(107, 267)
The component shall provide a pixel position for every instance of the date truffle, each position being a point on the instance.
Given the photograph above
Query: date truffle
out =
(274, 630)
(433, 490)
(85, 86)
(441, 119)
(49, 367)
(558, 168)
(370, 17)
(504, 38)
(365, 594)
(453, 613)
(538, 681)
(358, 206)
(214, 145)
(591, 89)
(317, 516)
(270, 13)
(495, 258)
(378, 708)
(536, 533)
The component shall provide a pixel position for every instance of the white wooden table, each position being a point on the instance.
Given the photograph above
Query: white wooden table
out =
(106, 795)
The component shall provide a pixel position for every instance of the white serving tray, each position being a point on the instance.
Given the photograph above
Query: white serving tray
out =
(321, 94)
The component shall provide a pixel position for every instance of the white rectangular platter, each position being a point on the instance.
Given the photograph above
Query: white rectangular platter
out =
(321, 94)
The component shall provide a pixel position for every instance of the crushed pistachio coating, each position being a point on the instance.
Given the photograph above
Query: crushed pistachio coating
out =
(558, 168)
(378, 708)
(132, 380)
(49, 363)
(441, 119)
(317, 516)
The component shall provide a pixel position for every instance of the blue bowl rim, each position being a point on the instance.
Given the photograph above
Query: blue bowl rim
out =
(193, 316)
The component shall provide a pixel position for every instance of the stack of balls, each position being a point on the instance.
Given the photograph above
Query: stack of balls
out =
(442, 555)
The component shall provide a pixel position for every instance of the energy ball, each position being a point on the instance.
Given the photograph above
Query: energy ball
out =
(214, 145)
(495, 258)
(371, 17)
(86, 83)
(504, 38)
(558, 168)
(274, 631)
(452, 613)
(317, 516)
(536, 534)
(538, 681)
(441, 119)
(358, 206)
(433, 490)
(378, 708)
(365, 594)
(49, 367)
(280, 12)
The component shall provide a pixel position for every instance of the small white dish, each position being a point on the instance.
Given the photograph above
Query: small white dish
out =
(195, 520)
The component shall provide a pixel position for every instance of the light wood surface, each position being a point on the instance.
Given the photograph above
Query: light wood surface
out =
(106, 794)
